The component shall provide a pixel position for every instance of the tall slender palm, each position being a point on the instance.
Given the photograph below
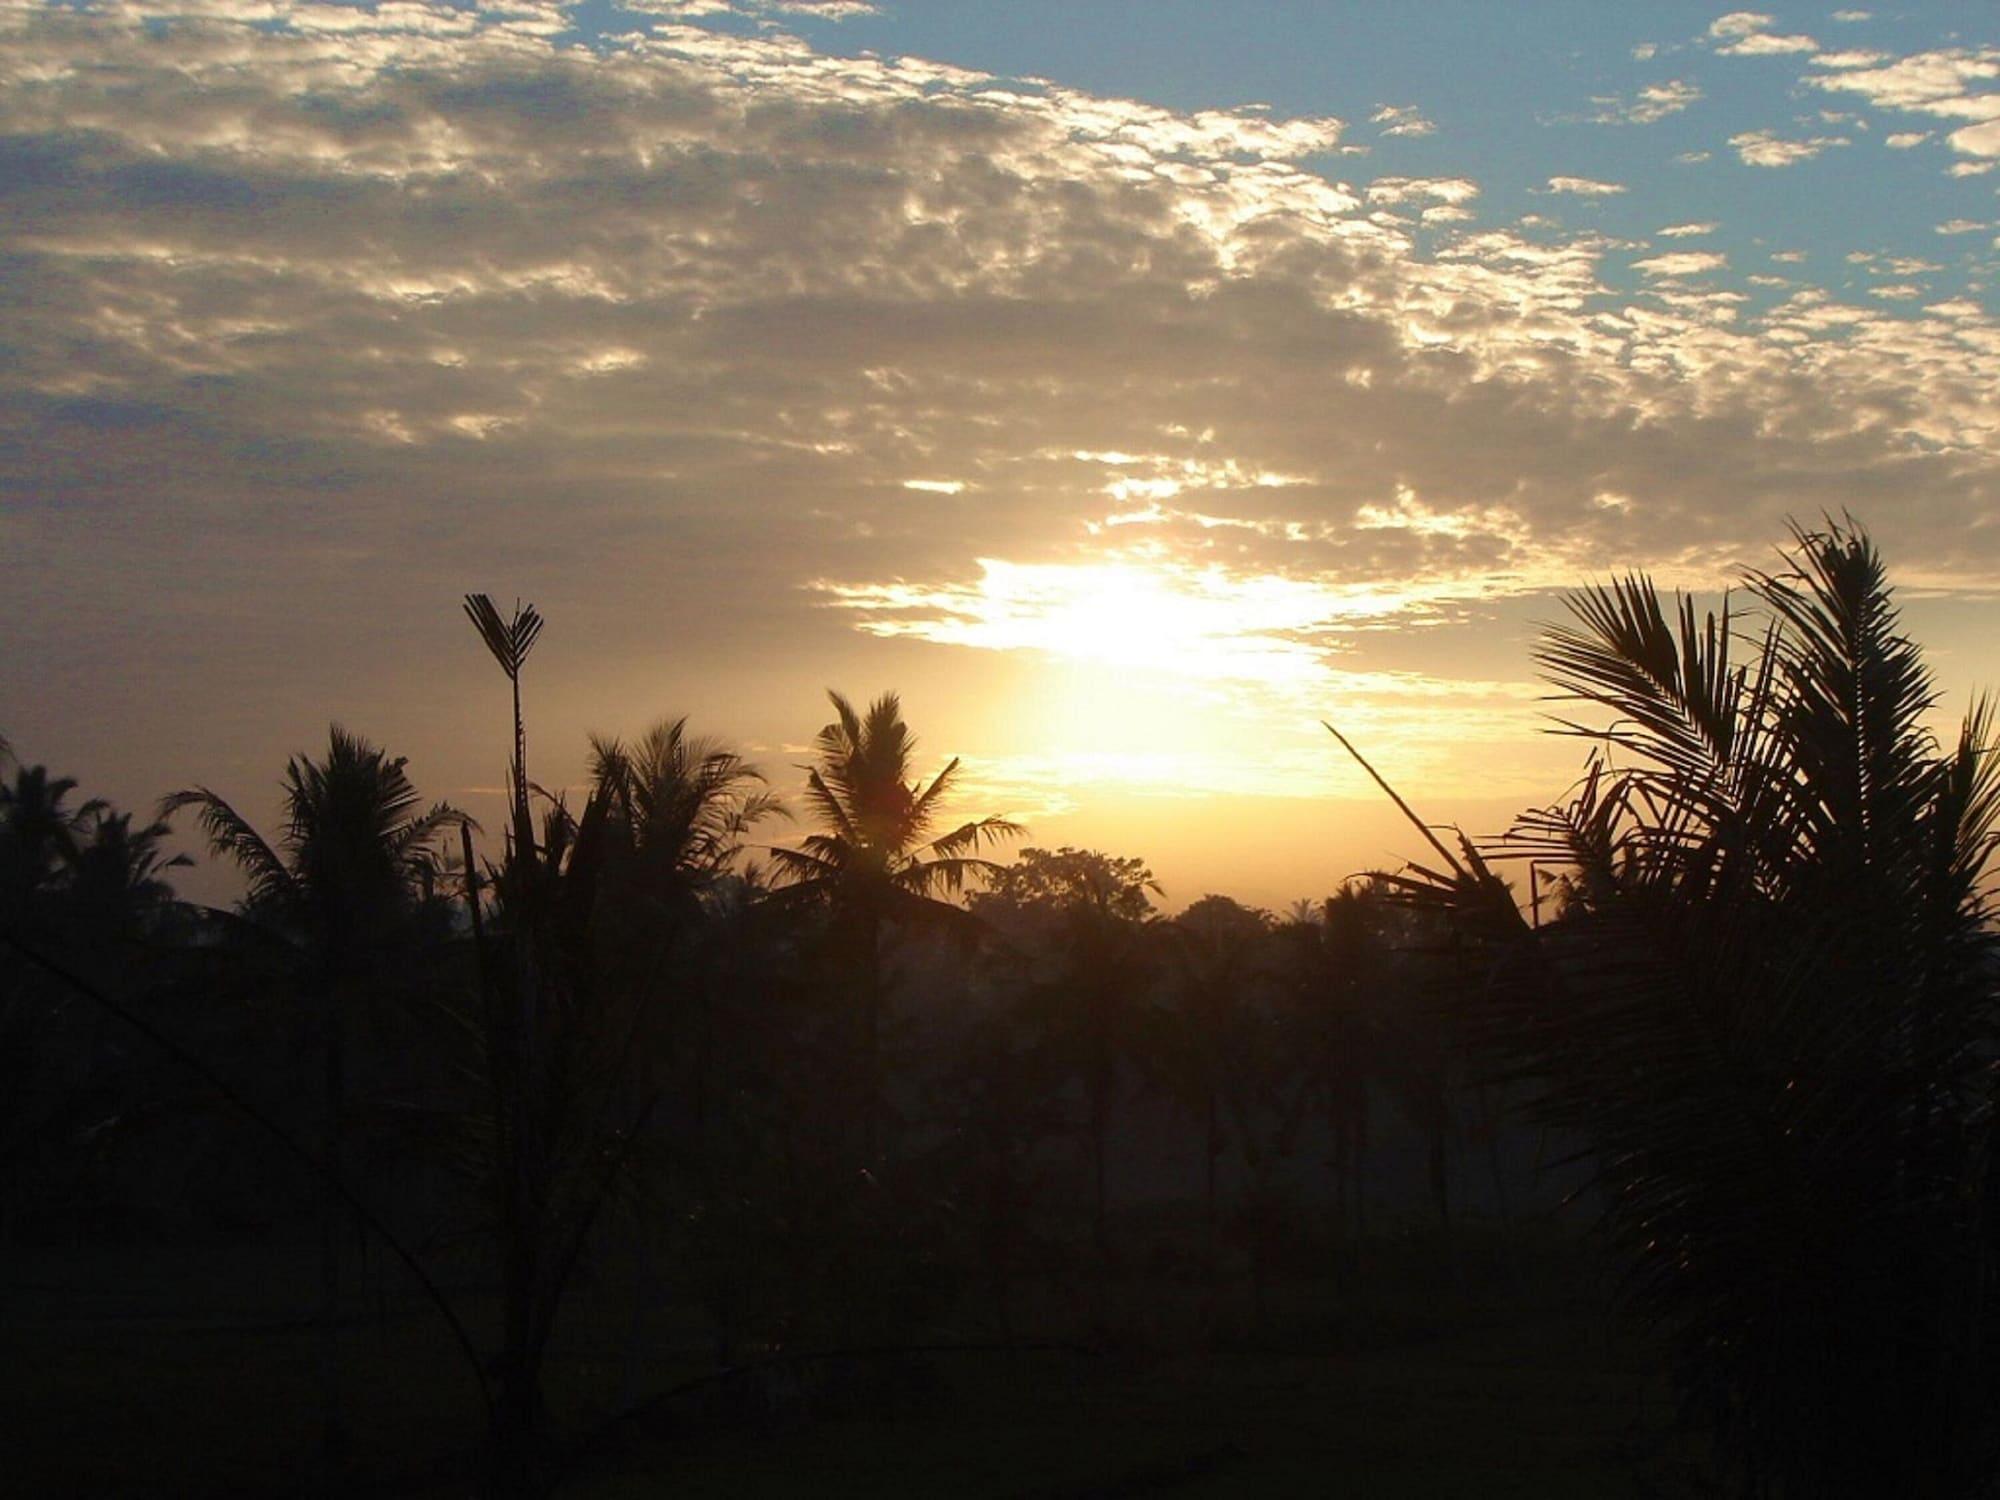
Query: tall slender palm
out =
(877, 865)
(357, 851)
(1770, 1012)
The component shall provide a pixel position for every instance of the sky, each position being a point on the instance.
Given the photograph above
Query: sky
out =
(1131, 386)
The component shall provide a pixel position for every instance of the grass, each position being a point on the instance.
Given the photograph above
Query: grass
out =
(192, 1373)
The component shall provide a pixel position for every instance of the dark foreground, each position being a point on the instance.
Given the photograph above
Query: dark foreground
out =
(1496, 1373)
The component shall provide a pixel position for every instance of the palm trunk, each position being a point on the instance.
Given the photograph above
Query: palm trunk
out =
(1214, 1150)
(871, 1042)
(334, 1442)
(1100, 1130)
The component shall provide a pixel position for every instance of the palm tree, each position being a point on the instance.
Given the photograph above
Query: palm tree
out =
(877, 866)
(1769, 1011)
(681, 806)
(118, 876)
(357, 853)
(40, 834)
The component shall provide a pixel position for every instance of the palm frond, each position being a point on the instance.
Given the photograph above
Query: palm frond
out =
(509, 640)
(230, 835)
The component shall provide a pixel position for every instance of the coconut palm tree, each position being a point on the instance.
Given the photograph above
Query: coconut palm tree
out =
(357, 853)
(681, 806)
(1769, 1012)
(877, 865)
(118, 878)
(40, 834)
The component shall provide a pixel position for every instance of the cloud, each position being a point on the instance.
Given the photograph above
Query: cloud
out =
(1653, 103)
(817, 10)
(1738, 23)
(1763, 148)
(1583, 187)
(1950, 83)
(1403, 119)
(1960, 226)
(1904, 140)
(1684, 231)
(1849, 17)
(1448, 190)
(1681, 263)
(1761, 44)
(1743, 33)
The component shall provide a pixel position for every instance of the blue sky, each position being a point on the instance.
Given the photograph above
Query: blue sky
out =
(1516, 94)
(1132, 386)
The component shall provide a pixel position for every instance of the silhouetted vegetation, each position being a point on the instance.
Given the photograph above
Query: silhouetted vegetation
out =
(675, 1124)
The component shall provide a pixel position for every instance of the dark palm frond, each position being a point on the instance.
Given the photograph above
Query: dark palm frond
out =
(510, 640)
(876, 817)
(1767, 1014)
(230, 835)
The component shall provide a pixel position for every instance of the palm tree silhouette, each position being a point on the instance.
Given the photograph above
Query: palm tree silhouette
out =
(357, 853)
(118, 879)
(681, 806)
(40, 835)
(876, 865)
(1768, 1011)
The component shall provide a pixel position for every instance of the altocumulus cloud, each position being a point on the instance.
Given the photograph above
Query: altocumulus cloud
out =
(312, 301)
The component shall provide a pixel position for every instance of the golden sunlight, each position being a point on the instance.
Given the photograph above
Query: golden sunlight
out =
(1135, 609)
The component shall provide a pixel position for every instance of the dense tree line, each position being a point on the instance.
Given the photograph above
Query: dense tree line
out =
(837, 1075)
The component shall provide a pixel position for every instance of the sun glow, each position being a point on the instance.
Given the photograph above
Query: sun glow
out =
(1132, 612)
(1157, 675)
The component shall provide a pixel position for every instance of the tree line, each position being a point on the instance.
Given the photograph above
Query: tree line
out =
(838, 1075)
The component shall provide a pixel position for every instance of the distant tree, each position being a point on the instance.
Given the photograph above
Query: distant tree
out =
(77, 882)
(1336, 968)
(1770, 1014)
(876, 866)
(1091, 916)
(1211, 1044)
